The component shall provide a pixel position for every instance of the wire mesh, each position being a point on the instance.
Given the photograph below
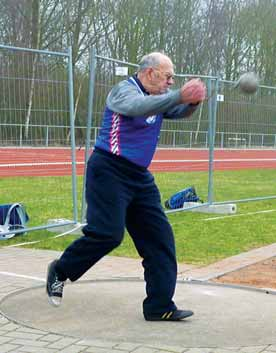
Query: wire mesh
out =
(34, 90)
(245, 143)
(246, 121)
(185, 133)
(227, 120)
(35, 118)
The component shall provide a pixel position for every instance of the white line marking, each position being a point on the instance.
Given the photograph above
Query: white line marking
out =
(153, 161)
(216, 160)
(79, 225)
(239, 215)
(36, 164)
(11, 274)
(210, 293)
(20, 244)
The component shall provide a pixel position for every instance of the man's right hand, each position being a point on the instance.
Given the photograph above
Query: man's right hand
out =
(194, 91)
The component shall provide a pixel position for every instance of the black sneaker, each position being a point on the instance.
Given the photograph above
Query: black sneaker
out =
(54, 287)
(175, 315)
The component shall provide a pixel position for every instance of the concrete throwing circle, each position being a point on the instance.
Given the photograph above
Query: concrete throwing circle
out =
(112, 310)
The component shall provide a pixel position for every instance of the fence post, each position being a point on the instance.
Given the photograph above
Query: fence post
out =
(72, 129)
(95, 133)
(20, 136)
(212, 111)
(92, 66)
(47, 136)
(222, 140)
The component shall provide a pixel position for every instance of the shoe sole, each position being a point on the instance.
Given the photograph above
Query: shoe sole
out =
(52, 302)
(169, 319)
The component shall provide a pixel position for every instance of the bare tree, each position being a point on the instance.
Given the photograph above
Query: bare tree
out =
(34, 11)
(259, 17)
(202, 36)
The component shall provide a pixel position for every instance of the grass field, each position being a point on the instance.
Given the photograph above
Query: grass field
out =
(200, 238)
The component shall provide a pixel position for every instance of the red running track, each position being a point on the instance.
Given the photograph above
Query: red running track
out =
(57, 161)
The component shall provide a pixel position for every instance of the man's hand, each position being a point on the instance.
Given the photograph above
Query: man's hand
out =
(194, 91)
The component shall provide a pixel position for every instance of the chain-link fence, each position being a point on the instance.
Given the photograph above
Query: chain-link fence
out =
(106, 72)
(228, 120)
(37, 110)
(245, 121)
(36, 91)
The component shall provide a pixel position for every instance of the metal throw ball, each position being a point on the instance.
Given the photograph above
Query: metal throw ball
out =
(248, 83)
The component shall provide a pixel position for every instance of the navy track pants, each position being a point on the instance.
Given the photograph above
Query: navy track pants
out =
(120, 194)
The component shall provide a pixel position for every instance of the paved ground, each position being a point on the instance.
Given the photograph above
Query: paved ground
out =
(227, 319)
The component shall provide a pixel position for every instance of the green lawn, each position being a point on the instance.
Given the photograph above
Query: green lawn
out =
(198, 240)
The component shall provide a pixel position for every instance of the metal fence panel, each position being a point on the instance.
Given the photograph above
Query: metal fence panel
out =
(187, 133)
(240, 115)
(37, 93)
(228, 120)
(246, 125)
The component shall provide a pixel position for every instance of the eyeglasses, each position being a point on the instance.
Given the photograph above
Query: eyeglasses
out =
(167, 75)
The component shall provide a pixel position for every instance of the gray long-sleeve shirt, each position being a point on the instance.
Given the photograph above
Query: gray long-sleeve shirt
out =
(132, 120)
(124, 100)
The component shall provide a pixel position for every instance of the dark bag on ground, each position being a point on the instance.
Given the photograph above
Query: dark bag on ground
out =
(12, 217)
(178, 199)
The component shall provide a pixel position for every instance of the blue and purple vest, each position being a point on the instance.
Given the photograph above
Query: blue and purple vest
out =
(133, 138)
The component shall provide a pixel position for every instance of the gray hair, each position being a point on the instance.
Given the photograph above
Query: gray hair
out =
(151, 60)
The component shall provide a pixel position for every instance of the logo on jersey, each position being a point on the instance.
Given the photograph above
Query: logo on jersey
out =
(114, 134)
(151, 119)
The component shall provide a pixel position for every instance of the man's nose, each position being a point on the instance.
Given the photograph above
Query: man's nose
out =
(170, 81)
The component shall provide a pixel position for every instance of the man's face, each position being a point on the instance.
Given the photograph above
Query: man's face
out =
(161, 77)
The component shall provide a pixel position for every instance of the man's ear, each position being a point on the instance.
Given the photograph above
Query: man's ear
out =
(150, 73)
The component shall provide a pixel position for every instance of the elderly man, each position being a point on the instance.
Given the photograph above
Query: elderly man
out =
(121, 192)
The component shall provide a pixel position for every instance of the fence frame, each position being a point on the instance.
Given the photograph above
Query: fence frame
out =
(213, 86)
(67, 55)
(224, 143)
(211, 118)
